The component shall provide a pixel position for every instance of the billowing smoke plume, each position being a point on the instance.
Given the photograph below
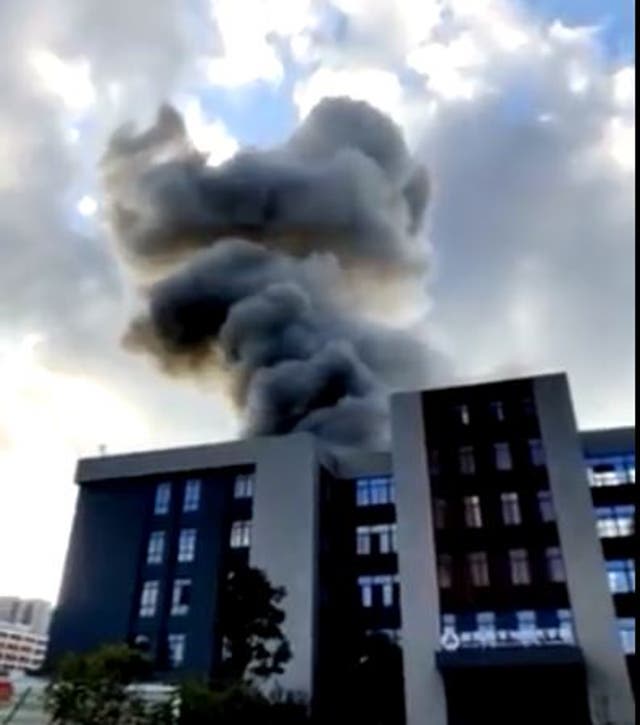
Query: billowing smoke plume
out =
(261, 270)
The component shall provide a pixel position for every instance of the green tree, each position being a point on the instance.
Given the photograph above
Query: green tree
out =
(254, 644)
(91, 688)
(238, 704)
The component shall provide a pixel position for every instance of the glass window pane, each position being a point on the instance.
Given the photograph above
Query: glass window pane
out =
(511, 514)
(181, 597)
(176, 644)
(536, 452)
(545, 506)
(149, 598)
(502, 456)
(163, 498)
(243, 485)
(472, 512)
(187, 545)
(466, 460)
(191, 495)
(240, 534)
(555, 564)
(155, 548)
(519, 562)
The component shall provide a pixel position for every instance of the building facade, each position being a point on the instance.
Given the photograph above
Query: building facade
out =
(610, 456)
(473, 546)
(20, 649)
(33, 614)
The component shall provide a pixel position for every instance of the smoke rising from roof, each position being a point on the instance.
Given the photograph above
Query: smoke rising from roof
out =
(261, 271)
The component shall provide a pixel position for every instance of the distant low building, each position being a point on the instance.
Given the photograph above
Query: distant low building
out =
(33, 614)
(24, 630)
(20, 649)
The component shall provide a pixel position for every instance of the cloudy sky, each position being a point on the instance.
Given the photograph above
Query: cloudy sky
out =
(522, 111)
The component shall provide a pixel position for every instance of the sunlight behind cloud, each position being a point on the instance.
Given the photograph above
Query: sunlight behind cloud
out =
(70, 81)
(48, 419)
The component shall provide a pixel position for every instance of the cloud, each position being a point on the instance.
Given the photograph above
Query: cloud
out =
(526, 126)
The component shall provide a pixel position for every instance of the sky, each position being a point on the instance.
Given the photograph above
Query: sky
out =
(522, 112)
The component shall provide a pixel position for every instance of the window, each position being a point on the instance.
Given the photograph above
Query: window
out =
(486, 626)
(502, 455)
(511, 515)
(187, 545)
(555, 564)
(363, 540)
(176, 644)
(536, 453)
(478, 569)
(527, 625)
(149, 598)
(472, 512)
(462, 413)
(380, 539)
(528, 408)
(191, 495)
(374, 491)
(434, 461)
(381, 589)
(445, 571)
(181, 597)
(519, 564)
(155, 547)
(387, 585)
(622, 575)
(439, 513)
(612, 470)
(466, 460)
(497, 410)
(243, 486)
(613, 521)
(240, 534)
(545, 506)
(163, 499)
(627, 630)
(365, 583)
(605, 474)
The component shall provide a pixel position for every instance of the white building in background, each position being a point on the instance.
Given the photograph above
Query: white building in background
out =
(24, 633)
(32, 614)
(20, 649)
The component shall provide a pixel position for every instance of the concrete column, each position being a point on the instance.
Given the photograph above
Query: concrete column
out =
(610, 694)
(425, 698)
(284, 542)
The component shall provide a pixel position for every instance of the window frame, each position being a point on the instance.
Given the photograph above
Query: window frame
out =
(179, 639)
(192, 495)
(478, 568)
(510, 508)
(240, 534)
(156, 547)
(554, 564)
(178, 607)
(502, 456)
(472, 505)
(520, 567)
(187, 542)
(149, 596)
(162, 498)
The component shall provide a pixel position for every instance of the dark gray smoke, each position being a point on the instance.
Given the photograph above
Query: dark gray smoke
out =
(264, 266)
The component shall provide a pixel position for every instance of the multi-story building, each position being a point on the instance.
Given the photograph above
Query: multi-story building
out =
(21, 649)
(34, 614)
(473, 544)
(611, 466)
